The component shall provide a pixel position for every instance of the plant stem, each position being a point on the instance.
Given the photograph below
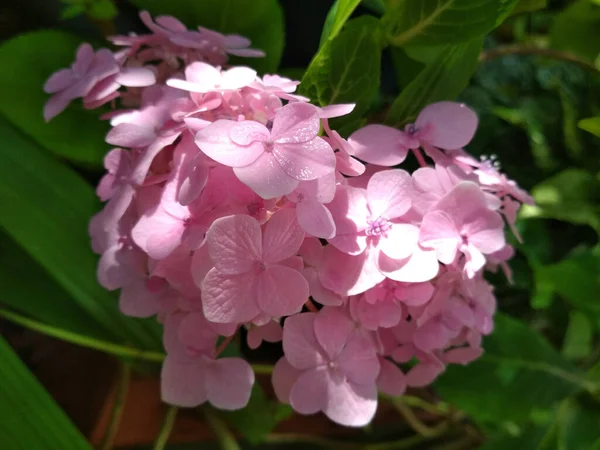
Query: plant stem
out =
(518, 49)
(84, 341)
(441, 409)
(226, 439)
(262, 369)
(223, 345)
(165, 431)
(297, 438)
(311, 306)
(119, 406)
(414, 422)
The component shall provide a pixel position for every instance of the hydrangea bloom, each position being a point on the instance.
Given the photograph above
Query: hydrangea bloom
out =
(232, 206)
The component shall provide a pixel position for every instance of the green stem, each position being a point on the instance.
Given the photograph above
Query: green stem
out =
(84, 341)
(117, 412)
(262, 369)
(414, 422)
(165, 431)
(297, 438)
(225, 438)
(440, 409)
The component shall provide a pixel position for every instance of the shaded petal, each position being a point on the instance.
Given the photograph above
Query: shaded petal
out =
(282, 236)
(300, 344)
(229, 383)
(391, 380)
(332, 329)
(182, 384)
(315, 219)
(438, 231)
(358, 359)
(130, 135)
(229, 298)
(281, 291)
(309, 393)
(378, 144)
(283, 378)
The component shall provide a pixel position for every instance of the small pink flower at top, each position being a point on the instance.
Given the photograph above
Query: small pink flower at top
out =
(271, 162)
(445, 125)
(461, 222)
(329, 366)
(251, 275)
(202, 78)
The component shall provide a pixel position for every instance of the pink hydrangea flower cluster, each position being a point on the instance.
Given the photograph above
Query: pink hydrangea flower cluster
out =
(232, 205)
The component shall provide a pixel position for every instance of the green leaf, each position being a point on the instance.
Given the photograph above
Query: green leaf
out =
(347, 68)
(339, 13)
(29, 417)
(576, 279)
(259, 417)
(435, 22)
(578, 338)
(442, 79)
(518, 372)
(531, 439)
(527, 6)
(575, 30)
(578, 426)
(259, 20)
(591, 125)
(376, 6)
(103, 10)
(76, 134)
(572, 195)
(45, 209)
(28, 288)
(72, 11)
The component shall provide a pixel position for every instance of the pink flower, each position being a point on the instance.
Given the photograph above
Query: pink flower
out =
(250, 276)
(214, 44)
(445, 125)
(462, 222)
(191, 376)
(269, 332)
(88, 69)
(271, 162)
(202, 78)
(328, 366)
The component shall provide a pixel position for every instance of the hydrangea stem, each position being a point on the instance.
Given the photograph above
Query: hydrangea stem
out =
(226, 439)
(117, 412)
(412, 420)
(165, 431)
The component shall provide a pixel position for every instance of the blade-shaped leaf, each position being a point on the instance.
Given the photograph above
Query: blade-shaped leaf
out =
(442, 79)
(433, 22)
(45, 209)
(575, 30)
(591, 125)
(347, 68)
(518, 372)
(29, 417)
(336, 18)
(259, 20)
(28, 288)
(76, 134)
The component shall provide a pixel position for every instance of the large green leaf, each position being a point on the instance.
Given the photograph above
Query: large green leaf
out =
(518, 372)
(29, 417)
(28, 288)
(591, 125)
(336, 18)
(347, 68)
(578, 337)
(434, 22)
(572, 195)
(76, 134)
(259, 20)
(442, 79)
(45, 209)
(575, 30)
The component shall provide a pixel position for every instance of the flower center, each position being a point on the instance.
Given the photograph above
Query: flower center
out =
(378, 227)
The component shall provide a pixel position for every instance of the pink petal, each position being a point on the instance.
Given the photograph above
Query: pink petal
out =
(349, 275)
(195, 332)
(229, 383)
(332, 329)
(305, 160)
(400, 241)
(358, 360)
(391, 380)
(318, 292)
(234, 244)
(59, 80)
(421, 266)
(201, 265)
(281, 291)
(170, 23)
(282, 236)
(136, 77)
(55, 105)
(130, 135)
(266, 177)
(136, 301)
(463, 355)
(310, 391)
(385, 313)
(463, 202)
(423, 374)
(331, 111)
(378, 144)
(214, 141)
(182, 384)
(296, 123)
(229, 298)
(438, 231)
(350, 404)
(315, 219)
(300, 344)
(311, 251)
(248, 131)
(486, 232)
(390, 193)
(237, 78)
(283, 378)
(447, 125)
